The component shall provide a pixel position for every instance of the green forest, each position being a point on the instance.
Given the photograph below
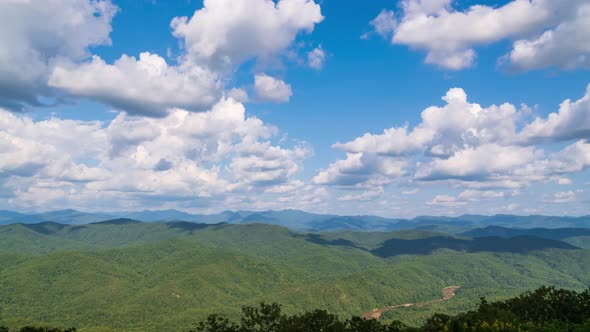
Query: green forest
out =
(545, 309)
(125, 275)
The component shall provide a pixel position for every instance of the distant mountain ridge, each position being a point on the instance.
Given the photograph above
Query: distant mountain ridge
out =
(67, 216)
(45, 237)
(579, 237)
(305, 221)
(546, 233)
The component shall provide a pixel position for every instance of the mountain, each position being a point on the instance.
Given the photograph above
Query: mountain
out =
(532, 221)
(576, 236)
(118, 221)
(60, 216)
(546, 233)
(305, 221)
(8, 216)
(134, 276)
(517, 244)
(156, 215)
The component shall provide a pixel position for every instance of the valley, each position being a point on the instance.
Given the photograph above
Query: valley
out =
(447, 292)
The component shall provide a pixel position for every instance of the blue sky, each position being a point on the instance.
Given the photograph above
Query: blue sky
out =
(255, 104)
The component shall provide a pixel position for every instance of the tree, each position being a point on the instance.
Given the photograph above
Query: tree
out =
(265, 318)
(546, 309)
(217, 323)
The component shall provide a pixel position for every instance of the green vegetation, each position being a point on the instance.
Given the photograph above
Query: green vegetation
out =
(579, 237)
(130, 276)
(546, 309)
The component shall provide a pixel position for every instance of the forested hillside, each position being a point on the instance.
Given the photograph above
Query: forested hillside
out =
(124, 275)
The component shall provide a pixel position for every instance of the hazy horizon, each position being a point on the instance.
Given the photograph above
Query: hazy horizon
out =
(116, 213)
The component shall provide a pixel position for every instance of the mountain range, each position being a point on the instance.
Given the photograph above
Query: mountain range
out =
(126, 275)
(305, 221)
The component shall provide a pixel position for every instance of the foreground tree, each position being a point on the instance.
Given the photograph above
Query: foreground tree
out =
(546, 309)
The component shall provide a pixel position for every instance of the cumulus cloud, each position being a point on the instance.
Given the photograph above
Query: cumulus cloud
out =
(225, 33)
(476, 163)
(147, 85)
(35, 36)
(487, 151)
(565, 46)
(443, 130)
(272, 89)
(393, 141)
(449, 35)
(182, 157)
(573, 158)
(263, 164)
(572, 121)
(45, 55)
(361, 170)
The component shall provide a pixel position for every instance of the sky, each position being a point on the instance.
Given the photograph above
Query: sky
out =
(394, 108)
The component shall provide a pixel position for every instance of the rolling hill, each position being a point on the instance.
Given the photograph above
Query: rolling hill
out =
(576, 236)
(125, 275)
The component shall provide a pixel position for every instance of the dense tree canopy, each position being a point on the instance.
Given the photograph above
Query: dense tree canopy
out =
(546, 309)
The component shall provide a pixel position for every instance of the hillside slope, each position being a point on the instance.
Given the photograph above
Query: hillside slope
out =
(579, 237)
(124, 275)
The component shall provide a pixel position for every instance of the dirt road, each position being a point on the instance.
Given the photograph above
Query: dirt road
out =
(447, 292)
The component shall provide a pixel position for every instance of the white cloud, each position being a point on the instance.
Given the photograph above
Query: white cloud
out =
(561, 197)
(272, 89)
(465, 197)
(34, 37)
(443, 130)
(301, 198)
(572, 121)
(182, 157)
(476, 163)
(484, 150)
(566, 46)
(147, 85)
(263, 164)
(446, 201)
(225, 33)
(573, 158)
(45, 55)
(393, 141)
(316, 58)
(286, 188)
(558, 30)
(368, 195)
(384, 24)
(237, 94)
(477, 195)
(26, 147)
(361, 170)
(451, 59)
